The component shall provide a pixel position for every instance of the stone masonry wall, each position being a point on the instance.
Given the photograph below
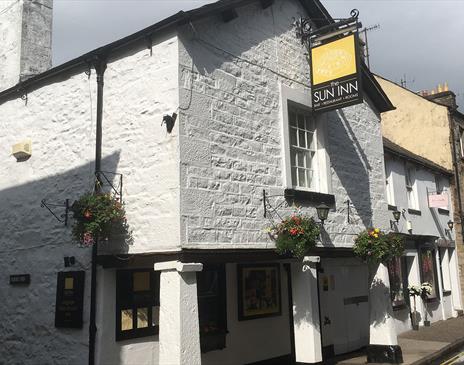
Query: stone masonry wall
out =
(10, 42)
(231, 133)
(59, 119)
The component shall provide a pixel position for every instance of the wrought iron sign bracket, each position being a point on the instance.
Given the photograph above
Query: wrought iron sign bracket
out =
(102, 178)
(62, 218)
(305, 31)
(269, 210)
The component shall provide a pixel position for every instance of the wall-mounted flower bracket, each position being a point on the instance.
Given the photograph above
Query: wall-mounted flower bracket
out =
(62, 218)
(103, 178)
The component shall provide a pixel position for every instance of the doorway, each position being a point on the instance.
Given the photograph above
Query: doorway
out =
(344, 307)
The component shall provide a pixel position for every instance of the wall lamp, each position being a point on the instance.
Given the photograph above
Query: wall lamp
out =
(322, 212)
(450, 224)
(396, 216)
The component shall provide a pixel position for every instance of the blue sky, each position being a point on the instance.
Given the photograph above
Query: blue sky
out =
(421, 41)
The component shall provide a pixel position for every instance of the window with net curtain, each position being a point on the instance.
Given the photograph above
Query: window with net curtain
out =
(303, 148)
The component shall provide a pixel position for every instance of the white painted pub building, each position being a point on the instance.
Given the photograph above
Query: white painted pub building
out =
(200, 281)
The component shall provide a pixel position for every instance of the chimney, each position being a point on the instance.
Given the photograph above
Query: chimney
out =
(25, 39)
(444, 96)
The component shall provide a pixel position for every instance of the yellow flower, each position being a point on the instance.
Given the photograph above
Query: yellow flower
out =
(376, 235)
(376, 230)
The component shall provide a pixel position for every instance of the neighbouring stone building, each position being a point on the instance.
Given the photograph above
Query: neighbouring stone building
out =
(429, 125)
(198, 197)
(418, 192)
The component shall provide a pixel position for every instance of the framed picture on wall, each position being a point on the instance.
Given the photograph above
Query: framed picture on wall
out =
(258, 291)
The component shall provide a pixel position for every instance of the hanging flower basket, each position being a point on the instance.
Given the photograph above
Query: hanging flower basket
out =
(375, 246)
(98, 216)
(295, 235)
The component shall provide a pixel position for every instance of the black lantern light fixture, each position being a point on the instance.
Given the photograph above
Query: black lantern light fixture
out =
(450, 224)
(322, 212)
(396, 216)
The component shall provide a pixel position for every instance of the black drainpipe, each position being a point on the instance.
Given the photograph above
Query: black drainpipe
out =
(100, 67)
(456, 171)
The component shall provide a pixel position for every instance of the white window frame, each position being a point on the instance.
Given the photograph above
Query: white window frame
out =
(411, 190)
(389, 182)
(302, 99)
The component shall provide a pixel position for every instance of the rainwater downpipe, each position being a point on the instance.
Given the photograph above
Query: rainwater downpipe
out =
(100, 66)
(456, 171)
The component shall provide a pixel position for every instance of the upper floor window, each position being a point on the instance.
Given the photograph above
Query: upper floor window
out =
(303, 148)
(411, 188)
(438, 184)
(389, 183)
(306, 160)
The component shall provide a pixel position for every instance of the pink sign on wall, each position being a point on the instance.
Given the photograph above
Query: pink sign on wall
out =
(438, 200)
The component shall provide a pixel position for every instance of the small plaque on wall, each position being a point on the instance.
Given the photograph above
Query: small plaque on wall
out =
(69, 299)
(23, 279)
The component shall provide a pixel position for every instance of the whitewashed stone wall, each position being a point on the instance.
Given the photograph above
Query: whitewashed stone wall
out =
(59, 118)
(230, 137)
(10, 41)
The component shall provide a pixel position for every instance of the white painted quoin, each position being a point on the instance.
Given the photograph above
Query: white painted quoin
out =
(192, 195)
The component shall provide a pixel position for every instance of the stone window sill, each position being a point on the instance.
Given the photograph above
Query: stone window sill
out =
(392, 207)
(310, 196)
(414, 211)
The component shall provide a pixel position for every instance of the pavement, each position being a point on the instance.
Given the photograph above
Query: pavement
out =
(427, 346)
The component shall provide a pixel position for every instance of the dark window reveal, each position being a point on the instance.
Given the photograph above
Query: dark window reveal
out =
(212, 307)
(429, 270)
(397, 273)
(137, 303)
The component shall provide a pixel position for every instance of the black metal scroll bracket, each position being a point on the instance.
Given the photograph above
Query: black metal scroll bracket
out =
(269, 210)
(63, 218)
(116, 189)
(305, 31)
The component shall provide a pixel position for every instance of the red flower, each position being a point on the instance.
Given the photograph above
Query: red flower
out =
(296, 219)
(294, 231)
(87, 214)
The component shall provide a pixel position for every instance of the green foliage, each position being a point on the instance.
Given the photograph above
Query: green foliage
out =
(374, 246)
(295, 235)
(98, 216)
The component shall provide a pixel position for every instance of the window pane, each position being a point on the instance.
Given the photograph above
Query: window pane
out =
(294, 180)
(293, 138)
(311, 141)
(301, 121)
(309, 123)
(309, 178)
(155, 316)
(126, 320)
(396, 281)
(428, 272)
(301, 139)
(302, 178)
(301, 159)
(141, 281)
(142, 317)
(293, 157)
(292, 118)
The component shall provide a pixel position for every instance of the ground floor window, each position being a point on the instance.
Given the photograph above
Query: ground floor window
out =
(211, 284)
(429, 270)
(398, 281)
(137, 303)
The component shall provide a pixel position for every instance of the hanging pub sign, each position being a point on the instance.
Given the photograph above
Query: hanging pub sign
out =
(69, 299)
(336, 73)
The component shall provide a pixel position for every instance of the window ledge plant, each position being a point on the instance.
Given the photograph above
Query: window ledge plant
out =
(295, 235)
(98, 216)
